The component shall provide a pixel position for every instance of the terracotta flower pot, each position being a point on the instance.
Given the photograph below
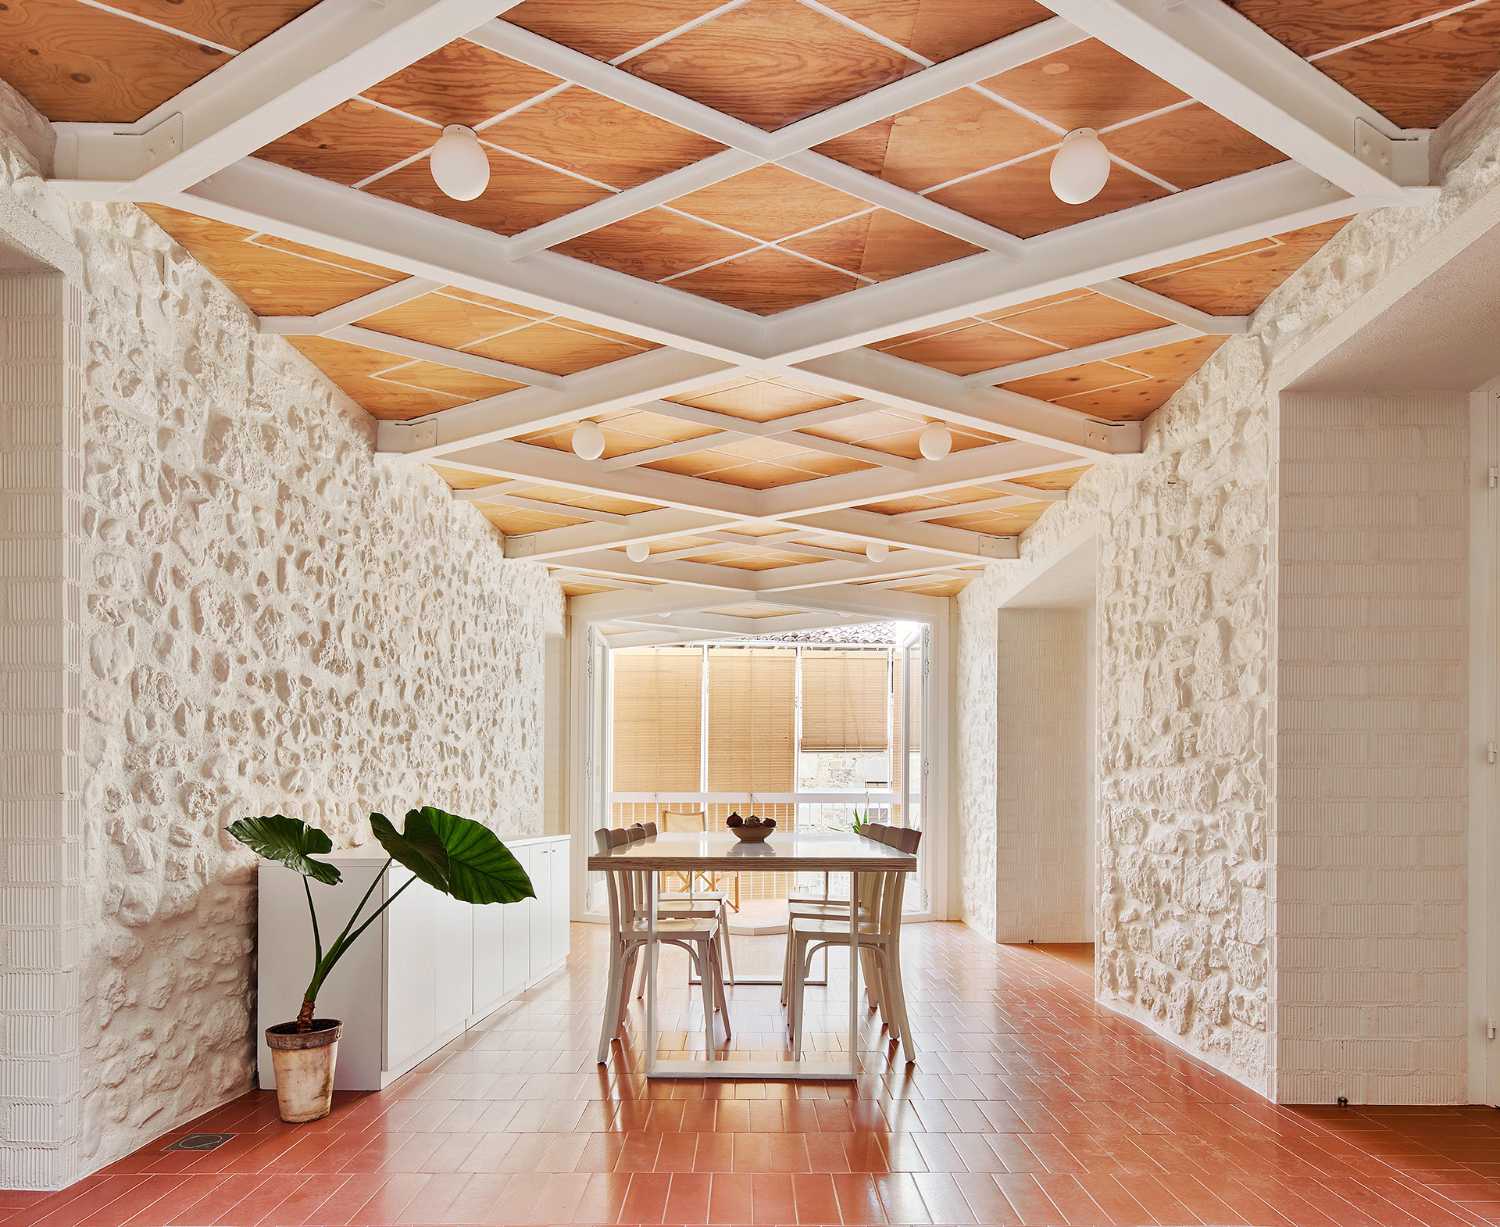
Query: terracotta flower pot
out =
(304, 1062)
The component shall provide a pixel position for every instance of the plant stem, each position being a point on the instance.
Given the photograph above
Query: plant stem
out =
(337, 947)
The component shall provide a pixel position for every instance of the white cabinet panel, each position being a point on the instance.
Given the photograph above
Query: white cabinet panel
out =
(557, 903)
(537, 865)
(489, 956)
(411, 974)
(453, 956)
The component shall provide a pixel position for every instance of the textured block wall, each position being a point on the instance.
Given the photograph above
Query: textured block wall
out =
(1187, 686)
(1044, 769)
(41, 845)
(1372, 768)
(258, 635)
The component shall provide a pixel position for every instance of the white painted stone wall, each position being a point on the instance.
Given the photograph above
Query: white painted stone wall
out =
(1044, 802)
(1372, 735)
(1186, 687)
(273, 620)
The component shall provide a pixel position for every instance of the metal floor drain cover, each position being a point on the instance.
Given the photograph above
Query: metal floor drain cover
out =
(200, 1141)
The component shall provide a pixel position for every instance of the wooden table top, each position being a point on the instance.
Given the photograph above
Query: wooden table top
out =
(782, 851)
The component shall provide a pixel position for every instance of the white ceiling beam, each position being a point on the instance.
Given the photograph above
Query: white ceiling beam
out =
(1217, 215)
(486, 494)
(647, 526)
(999, 503)
(1063, 359)
(319, 59)
(945, 573)
(641, 378)
(761, 430)
(1029, 494)
(614, 563)
(1170, 309)
(1214, 54)
(919, 389)
(870, 526)
(263, 196)
(636, 604)
(565, 576)
(356, 309)
(699, 622)
(814, 620)
(664, 636)
(421, 351)
(901, 563)
(850, 598)
(666, 451)
(548, 466)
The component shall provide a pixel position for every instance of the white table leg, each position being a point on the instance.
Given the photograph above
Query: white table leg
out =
(854, 973)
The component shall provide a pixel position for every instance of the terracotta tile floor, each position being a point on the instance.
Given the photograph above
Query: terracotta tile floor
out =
(1029, 1105)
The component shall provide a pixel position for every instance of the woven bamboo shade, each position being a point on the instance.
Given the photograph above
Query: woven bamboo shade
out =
(658, 720)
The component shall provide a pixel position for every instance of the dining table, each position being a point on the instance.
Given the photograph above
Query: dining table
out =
(784, 851)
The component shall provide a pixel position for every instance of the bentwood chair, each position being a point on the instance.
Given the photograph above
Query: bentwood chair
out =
(675, 906)
(879, 905)
(630, 929)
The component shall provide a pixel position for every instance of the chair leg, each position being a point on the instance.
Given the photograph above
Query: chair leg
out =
(869, 965)
(723, 1000)
(622, 1003)
(786, 965)
(724, 937)
(703, 955)
(803, 972)
(898, 1001)
(609, 1024)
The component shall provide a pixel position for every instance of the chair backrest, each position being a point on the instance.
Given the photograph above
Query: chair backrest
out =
(890, 907)
(621, 908)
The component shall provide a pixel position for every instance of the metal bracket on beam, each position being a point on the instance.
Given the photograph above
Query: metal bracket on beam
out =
(999, 547)
(1404, 159)
(400, 438)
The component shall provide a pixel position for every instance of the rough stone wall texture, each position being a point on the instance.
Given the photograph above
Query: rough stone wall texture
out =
(1185, 680)
(1044, 748)
(1372, 749)
(259, 634)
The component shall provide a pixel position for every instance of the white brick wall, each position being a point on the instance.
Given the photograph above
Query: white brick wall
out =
(1372, 775)
(1044, 769)
(41, 851)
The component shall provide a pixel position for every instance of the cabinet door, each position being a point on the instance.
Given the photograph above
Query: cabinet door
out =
(540, 869)
(411, 974)
(558, 899)
(515, 923)
(453, 957)
(489, 956)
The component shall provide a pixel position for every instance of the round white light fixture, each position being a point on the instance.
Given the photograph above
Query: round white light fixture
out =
(637, 551)
(935, 442)
(588, 442)
(460, 167)
(877, 551)
(1080, 167)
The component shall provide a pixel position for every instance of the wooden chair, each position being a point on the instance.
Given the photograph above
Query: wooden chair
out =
(629, 926)
(676, 906)
(879, 918)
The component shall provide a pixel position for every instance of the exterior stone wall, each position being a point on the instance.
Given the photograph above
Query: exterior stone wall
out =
(274, 620)
(1186, 689)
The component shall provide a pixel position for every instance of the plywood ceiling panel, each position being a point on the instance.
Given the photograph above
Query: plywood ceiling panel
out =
(590, 135)
(1081, 319)
(606, 29)
(1090, 377)
(1002, 522)
(1191, 146)
(770, 62)
(442, 319)
(75, 62)
(769, 203)
(656, 244)
(434, 377)
(589, 501)
(765, 282)
(941, 29)
(1019, 199)
(520, 194)
(351, 142)
(966, 350)
(234, 24)
(881, 245)
(1310, 27)
(356, 370)
(1088, 85)
(269, 281)
(630, 431)
(759, 400)
(558, 349)
(1237, 280)
(461, 83)
(954, 135)
(518, 521)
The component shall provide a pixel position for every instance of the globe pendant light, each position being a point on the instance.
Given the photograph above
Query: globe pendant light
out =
(588, 442)
(460, 167)
(877, 551)
(637, 551)
(1080, 167)
(935, 442)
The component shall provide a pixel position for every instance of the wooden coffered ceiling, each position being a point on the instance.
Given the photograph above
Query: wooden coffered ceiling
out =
(761, 244)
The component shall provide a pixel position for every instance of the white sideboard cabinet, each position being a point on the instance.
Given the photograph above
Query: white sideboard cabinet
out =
(428, 969)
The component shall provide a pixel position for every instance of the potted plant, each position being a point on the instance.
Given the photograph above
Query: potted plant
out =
(459, 857)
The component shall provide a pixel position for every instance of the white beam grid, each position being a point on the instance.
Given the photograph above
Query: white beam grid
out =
(322, 57)
(1346, 158)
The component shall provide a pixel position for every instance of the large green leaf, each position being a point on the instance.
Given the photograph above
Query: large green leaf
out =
(289, 841)
(459, 857)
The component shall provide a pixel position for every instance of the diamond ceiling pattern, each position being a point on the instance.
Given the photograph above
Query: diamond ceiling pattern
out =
(901, 193)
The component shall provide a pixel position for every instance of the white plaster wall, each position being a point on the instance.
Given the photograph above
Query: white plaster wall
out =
(1186, 688)
(1372, 772)
(1044, 751)
(273, 620)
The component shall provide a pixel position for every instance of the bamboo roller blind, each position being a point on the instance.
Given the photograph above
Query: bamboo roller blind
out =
(844, 700)
(752, 695)
(658, 720)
